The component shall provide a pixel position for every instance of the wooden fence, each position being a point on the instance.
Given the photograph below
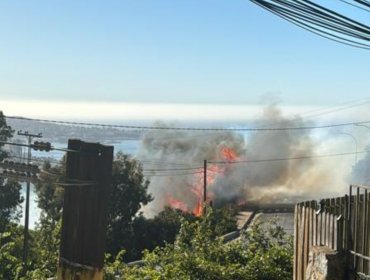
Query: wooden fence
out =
(340, 223)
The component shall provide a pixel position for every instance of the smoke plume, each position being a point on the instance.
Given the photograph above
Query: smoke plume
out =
(266, 172)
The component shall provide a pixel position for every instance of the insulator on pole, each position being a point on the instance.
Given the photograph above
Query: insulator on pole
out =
(41, 146)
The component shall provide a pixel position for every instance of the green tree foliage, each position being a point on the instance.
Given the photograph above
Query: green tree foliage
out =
(163, 228)
(151, 233)
(10, 197)
(129, 194)
(42, 257)
(6, 133)
(10, 253)
(262, 253)
(49, 193)
(44, 251)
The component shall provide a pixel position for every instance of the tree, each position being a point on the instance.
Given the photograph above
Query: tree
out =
(44, 250)
(10, 253)
(148, 234)
(6, 132)
(49, 193)
(10, 197)
(262, 253)
(129, 194)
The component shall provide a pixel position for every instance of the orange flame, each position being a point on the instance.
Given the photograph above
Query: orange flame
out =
(177, 204)
(198, 209)
(213, 171)
(228, 153)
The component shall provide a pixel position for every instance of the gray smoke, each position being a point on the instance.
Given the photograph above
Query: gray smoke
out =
(182, 150)
(260, 180)
(361, 170)
(265, 176)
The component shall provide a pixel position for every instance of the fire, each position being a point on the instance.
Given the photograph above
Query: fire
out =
(198, 209)
(177, 204)
(197, 189)
(213, 171)
(228, 154)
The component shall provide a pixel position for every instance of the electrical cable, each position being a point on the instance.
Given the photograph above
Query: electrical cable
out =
(329, 111)
(172, 175)
(158, 162)
(51, 160)
(354, 5)
(173, 169)
(289, 158)
(202, 129)
(320, 21)
(26, 145)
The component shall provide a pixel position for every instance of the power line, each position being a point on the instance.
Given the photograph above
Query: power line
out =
(276, 159)
(173, 175)
(227, 162)
(194, 128)
(31, 146)
(321, 21)
(255, 161)
(345, 106)
(354, 5)
(173, 169)
(289, 158)
(161, 162)
(161, 174)
(306, 115)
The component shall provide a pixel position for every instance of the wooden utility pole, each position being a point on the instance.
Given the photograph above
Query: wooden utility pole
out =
(84, 225)
(204, 186)
(205, 182)
(30, 136)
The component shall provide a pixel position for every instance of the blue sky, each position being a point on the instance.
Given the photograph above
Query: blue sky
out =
(166, 51)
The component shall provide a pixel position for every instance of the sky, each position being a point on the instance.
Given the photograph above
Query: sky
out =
(164, 54)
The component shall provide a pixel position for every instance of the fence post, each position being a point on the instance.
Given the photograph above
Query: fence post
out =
(357, 224)
(297, 232)
(306, 237)
(364, 231)
(88, 173)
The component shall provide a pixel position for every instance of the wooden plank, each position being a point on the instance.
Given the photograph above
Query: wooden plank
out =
(296, 229)
(326, 223)
(350, 229)
(356, 224)
(364, 231)
(338, 224)
(306, 237)
(320, 229)
(333, 223)
(301, 243)
(368, 234)
(329, 225)
(314, 209)
(345, 222)
(310, 229)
